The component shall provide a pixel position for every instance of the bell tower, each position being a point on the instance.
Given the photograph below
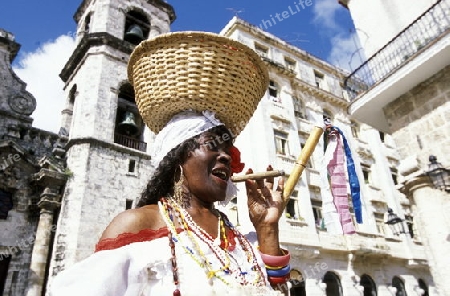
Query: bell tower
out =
(107, 161)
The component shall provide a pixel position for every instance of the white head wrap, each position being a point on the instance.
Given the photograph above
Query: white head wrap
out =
(182, 127)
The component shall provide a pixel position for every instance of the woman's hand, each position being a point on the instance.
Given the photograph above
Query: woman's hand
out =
(265, 208)
(265, 204)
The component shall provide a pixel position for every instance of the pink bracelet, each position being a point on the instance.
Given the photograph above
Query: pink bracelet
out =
(271, 260)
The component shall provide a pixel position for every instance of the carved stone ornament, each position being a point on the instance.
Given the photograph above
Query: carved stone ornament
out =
(23, 104)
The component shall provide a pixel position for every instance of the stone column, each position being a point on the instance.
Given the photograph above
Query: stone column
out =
(433, 222)
(48, 203)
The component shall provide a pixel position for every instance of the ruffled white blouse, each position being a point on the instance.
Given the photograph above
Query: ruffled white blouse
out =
(140, 264)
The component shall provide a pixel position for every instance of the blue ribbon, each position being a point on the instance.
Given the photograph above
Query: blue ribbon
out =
(353, 179)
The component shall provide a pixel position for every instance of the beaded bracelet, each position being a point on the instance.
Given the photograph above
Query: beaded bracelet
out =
(279, 272)
(271, 260)
(275, 280)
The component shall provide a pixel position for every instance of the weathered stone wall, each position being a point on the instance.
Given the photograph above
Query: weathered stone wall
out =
(99, 186)
(420, 119)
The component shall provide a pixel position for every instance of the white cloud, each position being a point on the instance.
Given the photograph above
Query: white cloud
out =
(346, 52)
(325, 13)
(40, 70)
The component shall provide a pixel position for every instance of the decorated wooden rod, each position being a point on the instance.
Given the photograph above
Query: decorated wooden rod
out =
(301, 162)
(257, 176)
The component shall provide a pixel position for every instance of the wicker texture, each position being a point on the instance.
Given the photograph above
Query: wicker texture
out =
(199, 71)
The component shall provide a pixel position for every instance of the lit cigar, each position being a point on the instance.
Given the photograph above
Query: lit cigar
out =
(257, 176)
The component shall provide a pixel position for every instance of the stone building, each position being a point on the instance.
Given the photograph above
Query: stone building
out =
(32, 176)
(407, 95)
(68, 187)
(303, 90)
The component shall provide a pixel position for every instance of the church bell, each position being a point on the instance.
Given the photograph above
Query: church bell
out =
(134, 34)
(128, 126)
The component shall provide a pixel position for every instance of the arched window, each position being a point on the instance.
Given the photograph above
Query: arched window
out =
(137, 27)
(370, 288)
(333, 282)
(298, 283)
(129, 125)
(423, 286)
(399, 285)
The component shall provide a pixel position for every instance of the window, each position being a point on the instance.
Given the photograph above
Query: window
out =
(355, 127)
(290, 64)
(128, 204)
(4, 266)
(292, 209)
(318, 78)
(129, 125)
(366, 173)
(410, 224)
(137, 27)
(261, 50)
(274, 91)
(318, 216)
(298, 283)
(382, 137)
(333, 282)
(379, 222)
(399, 285)
(370, 289)
(6, 204)
(281, 143)
(87, 23)
(299, 110)
(394, 175)
(131, 166)
(423, 286)
(327, 115)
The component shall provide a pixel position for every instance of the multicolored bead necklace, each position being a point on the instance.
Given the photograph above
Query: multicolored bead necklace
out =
(221, 247)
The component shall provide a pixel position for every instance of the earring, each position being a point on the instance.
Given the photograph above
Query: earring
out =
(181, 194)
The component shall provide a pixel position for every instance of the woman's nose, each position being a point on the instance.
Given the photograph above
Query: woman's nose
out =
(224, 158)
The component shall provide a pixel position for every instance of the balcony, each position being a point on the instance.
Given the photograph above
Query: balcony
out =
(130, 142)
(415, 54)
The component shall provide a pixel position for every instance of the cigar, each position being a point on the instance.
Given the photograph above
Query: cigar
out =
(257, 176)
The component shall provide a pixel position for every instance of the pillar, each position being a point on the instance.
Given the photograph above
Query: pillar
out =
(48, 203)
(432, 220)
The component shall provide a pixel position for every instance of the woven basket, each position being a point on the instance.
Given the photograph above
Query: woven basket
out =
(199, 71)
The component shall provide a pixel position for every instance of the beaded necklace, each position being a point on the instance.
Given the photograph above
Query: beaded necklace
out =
(219, 247)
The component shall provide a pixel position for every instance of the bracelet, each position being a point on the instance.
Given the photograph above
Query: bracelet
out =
(279, 272)
(274, 280)
(271, 260)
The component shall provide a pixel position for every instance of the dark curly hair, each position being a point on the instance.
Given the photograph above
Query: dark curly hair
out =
(162, 182)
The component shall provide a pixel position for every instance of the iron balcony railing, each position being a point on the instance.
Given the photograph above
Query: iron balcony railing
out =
(431, 25)
(130, 142)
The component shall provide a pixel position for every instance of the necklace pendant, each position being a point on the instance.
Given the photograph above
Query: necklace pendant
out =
(176, 292)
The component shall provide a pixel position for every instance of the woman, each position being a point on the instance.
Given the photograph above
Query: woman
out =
(176, 242)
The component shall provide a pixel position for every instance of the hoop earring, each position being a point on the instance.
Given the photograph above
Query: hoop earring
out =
(181, 194)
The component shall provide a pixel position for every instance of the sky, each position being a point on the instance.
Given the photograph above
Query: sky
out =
(45, 29)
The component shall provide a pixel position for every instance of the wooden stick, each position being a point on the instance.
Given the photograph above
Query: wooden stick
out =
(301, 162)
(257, 176)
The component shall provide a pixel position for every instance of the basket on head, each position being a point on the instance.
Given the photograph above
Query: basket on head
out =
(199, 71)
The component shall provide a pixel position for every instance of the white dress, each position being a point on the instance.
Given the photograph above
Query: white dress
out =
(144, 268)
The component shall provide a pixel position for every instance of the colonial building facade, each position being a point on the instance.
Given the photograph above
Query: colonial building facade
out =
(58, 192)
(407, 77)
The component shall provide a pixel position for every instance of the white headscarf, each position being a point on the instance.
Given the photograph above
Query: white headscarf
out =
(182, 127)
